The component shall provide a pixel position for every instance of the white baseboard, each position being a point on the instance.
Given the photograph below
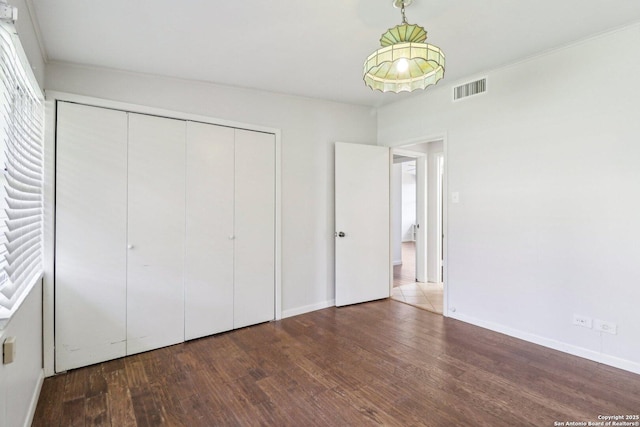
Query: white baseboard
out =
(397, 262)
(308, 308)
(34, 400)
(585, 353)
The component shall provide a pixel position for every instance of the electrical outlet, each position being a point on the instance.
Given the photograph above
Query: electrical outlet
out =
(583, 321)
(9, 350)
(604, 326)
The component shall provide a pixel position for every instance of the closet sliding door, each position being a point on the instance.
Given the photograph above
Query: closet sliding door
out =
(230, 253)
(254, 255)
(209, 230)
(156, 230)
(165, 231)
(91, 233)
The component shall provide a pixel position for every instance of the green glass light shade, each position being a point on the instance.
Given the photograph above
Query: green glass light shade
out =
(404, 62)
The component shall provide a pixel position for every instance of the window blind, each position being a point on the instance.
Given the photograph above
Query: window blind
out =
(21, 160)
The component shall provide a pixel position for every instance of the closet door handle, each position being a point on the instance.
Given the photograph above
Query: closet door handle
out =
(129, 246)
(232, 237)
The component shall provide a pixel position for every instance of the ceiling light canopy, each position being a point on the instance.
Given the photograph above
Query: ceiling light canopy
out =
(404, 62)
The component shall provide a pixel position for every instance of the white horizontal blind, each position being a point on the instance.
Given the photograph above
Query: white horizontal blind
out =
(21, 157)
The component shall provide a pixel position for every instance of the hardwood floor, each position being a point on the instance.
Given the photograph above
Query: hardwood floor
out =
(380, 363)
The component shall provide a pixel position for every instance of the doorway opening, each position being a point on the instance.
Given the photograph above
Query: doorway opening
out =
(417, 189)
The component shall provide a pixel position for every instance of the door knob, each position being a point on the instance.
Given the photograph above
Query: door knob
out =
(340, 234)
(232, 237)
(129, 246)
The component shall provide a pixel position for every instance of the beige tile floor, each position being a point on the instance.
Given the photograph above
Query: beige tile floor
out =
(427, 296)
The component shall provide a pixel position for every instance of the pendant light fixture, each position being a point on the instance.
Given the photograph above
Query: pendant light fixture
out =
(404, 62)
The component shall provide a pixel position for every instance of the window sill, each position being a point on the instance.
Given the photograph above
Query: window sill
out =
(5, 314)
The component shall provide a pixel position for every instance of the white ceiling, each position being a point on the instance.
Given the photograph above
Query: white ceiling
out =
(312, 48)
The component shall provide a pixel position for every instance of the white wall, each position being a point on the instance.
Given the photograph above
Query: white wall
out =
(21, 380)
(308, 128)
(547, 167)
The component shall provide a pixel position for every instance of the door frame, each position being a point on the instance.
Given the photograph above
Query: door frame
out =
(405, 145)
(440, 213)
(422, 168)
(49, 174)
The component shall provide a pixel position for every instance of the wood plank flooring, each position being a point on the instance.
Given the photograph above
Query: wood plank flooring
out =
(380, 363)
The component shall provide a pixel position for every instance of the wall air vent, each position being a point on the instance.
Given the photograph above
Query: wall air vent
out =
(470, 89)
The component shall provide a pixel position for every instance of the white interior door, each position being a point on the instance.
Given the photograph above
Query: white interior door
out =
(156, 221)
(91, 232)
(254, 235)
(209, 230)
(362, 223)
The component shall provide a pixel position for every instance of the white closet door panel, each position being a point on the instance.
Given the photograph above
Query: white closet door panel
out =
(209, 230)
(91, 218)
(254, 228)
(155, 270)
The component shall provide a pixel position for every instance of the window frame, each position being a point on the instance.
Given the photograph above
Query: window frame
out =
(28, 92)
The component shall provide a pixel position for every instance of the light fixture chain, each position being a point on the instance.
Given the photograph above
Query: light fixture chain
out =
(404, 18)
